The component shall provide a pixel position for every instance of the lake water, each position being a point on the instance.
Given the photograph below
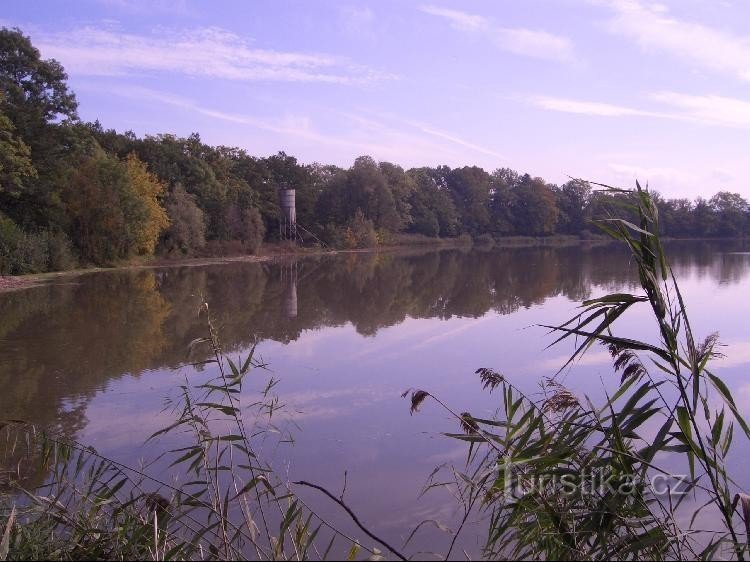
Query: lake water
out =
(96, 355)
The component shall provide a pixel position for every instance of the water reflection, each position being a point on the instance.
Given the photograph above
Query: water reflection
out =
(62, 343)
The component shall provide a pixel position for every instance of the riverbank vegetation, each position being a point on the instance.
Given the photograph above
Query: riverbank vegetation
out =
(75, 193)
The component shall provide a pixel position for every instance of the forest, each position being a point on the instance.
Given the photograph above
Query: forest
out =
(73, 193)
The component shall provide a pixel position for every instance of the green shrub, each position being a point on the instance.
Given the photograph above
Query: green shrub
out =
(9, 235)
(485, 240)
(60, 252)
(33, 252)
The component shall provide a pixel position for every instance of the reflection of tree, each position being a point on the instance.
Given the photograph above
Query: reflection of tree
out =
(59, 344)
(71, 339)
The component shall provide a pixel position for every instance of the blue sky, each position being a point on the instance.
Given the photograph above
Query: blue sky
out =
(608, 90)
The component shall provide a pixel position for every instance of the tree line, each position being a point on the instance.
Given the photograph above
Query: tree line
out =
(73, 192)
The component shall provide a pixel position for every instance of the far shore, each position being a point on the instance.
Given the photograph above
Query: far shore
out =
(276, 251)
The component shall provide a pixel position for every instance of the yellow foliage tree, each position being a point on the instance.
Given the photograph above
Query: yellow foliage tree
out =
(149, 191)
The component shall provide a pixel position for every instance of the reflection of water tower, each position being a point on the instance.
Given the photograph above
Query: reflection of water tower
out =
(289, 274)
(288, 221)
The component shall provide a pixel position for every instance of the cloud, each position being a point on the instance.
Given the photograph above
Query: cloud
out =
(293, 125)
(535, 44)
(454, 139)
(710, 109)
(585, 107)
(656, 175)
(590, 359)
(736, 354)
(457, 19)
(520, 41)
(202, 52)
(416, 142)
(653, 29)
(172, 7)
(701, 109)
(396, 138)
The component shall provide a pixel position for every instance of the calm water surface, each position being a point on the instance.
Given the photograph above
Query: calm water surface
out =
(97, 355)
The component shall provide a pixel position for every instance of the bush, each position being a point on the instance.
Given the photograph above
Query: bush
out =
(427, 224)
(60, 252)
(485, 240)
(254, 230)
(36, 252)
(32, 253)
(363, 231)
(358, 233)
(9, 235)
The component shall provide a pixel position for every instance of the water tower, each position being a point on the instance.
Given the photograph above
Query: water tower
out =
(288, 221)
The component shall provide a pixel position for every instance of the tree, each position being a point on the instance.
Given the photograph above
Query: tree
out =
(534, 210)
(15, 158)
(42, 111)
(368, 191)
(503, 184)
(573, 202)
(34, 92)
(101, 204)
(113, 208)
(431, 203)
(187, 227)
(401, 186)
(703, 218)
(247, 226)
(149, 190)
(470, 187)
(731, 211)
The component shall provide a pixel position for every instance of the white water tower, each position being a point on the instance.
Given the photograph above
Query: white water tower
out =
(288, 221)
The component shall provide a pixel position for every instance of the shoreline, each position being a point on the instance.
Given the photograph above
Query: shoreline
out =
(273, 252)
(11, 283)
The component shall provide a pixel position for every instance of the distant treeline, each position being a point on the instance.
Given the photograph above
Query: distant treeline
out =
(75, 193)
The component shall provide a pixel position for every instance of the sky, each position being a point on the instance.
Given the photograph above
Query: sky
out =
(605, 90)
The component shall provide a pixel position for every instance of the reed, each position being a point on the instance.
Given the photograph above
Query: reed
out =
(559, 477)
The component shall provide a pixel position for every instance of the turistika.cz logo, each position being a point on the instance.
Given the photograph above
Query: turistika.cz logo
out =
(518, 482)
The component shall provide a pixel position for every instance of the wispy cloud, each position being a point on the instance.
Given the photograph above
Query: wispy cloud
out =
(203, 52)
(533, 43)
(586, 107)
(296, 126)
(457, 19)
(711, 109)
(626, 174)
(590, 359)
(455, 139)
(173, 7)
(654, 29)
(419, 136)
(701, 109)
(417, 142)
